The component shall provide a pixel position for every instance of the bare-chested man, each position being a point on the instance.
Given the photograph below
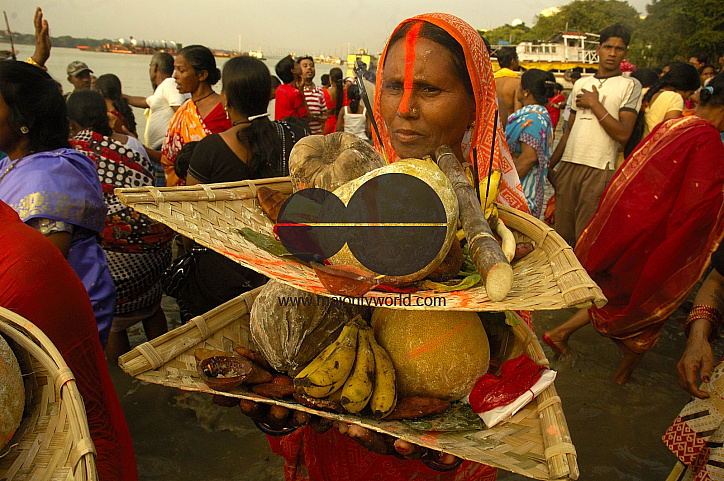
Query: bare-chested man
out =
(507, 81)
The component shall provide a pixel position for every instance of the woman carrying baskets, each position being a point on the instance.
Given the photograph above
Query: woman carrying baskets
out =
(434, 87)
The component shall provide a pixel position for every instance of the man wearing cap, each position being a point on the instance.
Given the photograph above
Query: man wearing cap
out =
(79, 75)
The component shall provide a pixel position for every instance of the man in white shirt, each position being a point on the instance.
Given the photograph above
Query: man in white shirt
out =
(164, 102)
(314, 96)
(602, 118)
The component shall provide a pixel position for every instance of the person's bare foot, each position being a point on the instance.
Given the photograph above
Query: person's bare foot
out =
(557, 338)
(558, 344)
(628, 364)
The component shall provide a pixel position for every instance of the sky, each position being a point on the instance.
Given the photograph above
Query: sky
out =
(274, 26)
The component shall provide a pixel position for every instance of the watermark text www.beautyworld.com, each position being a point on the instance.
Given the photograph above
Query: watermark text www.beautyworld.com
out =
(400, 300)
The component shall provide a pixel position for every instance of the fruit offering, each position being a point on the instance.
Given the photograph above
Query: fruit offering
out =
(354, 369)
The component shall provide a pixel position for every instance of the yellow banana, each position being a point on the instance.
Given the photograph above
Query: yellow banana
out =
(494, 181)
(384, 394)
(357, 390)
(322, 356)
(332, 371)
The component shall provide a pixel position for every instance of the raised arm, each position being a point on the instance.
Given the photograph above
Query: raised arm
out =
(42, 40)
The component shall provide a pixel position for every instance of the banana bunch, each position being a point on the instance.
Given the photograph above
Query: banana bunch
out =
(489, 207)
(354, 369)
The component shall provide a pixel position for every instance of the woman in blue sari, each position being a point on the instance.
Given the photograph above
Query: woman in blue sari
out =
(53, 188)
(529, 135)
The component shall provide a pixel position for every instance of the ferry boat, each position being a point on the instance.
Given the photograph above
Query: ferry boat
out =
(328, 60)
(255, 53)
(133, 46)
(565, 51)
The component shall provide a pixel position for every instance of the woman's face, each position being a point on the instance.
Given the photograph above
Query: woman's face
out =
(187, 80)
(426, 106)
(707, 73)
(520, 94)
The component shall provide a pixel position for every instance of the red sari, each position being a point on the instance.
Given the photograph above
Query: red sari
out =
(332, 456)
(37, 283)
(655, 229)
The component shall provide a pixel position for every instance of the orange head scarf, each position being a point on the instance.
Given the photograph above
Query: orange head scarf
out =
(480, 71)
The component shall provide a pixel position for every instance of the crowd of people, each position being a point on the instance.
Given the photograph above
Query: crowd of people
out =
(637, 172)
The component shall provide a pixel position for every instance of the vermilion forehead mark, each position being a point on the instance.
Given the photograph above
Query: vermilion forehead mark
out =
(410, 44)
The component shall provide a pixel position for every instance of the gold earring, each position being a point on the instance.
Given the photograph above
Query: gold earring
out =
(24, 129)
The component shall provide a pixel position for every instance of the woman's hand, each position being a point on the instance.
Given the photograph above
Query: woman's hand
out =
(275, 420)
(698, 356)
(42, 39)
(384, 444)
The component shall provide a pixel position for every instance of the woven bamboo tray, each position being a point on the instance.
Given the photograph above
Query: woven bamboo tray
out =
(549, 278)
(53, 441)
(535, 442)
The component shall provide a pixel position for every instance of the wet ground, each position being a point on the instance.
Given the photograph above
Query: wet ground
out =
(616, 429)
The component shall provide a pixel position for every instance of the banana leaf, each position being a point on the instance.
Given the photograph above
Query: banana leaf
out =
(460, 417)
(268, 243)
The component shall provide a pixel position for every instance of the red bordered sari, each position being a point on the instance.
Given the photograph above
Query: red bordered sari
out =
(655, 229)
(332, 456)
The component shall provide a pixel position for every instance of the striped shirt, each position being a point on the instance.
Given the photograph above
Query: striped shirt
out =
(316, 106)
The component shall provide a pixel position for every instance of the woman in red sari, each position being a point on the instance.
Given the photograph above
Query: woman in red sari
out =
(654, 231)
(195, 72)
(37, 283)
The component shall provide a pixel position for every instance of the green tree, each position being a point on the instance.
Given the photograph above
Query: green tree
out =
(507, 33)
(676, 29)
(589, 16)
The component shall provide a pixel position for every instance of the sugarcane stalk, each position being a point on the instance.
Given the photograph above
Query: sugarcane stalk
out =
(494, 268)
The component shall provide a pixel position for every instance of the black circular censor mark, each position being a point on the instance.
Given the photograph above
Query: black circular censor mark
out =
(394, 224)
(400, 224)
(299, 229)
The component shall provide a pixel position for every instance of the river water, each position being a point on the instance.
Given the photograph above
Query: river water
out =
(181, 436)
(132, 70)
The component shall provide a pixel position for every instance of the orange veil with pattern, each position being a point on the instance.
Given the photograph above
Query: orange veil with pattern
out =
(480, 71)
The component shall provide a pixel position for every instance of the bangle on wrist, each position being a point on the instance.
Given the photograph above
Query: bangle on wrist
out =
(266, 429)
(601, 119)
(704, 312)
(33, 62)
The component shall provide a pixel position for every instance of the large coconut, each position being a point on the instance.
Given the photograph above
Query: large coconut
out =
(439, 354)
(290, 327)
(424, 195)
(12, 393)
